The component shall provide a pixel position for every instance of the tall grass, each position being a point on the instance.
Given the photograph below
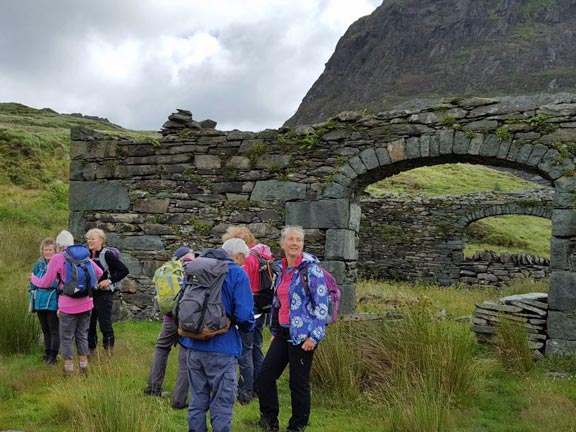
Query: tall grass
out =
(512, 346)
(110, 399)
(420, 367)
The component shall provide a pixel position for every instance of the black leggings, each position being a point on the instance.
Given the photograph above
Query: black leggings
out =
(101, 314)
(51, 331)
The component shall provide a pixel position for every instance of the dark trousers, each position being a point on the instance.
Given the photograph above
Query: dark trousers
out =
(51, 332)
(280, 354)
(102, 315)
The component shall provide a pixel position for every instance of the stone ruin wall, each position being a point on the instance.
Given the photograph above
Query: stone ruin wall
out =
(188, 186)
(422, 238)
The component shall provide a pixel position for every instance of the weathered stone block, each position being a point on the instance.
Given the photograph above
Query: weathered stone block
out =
(461, 143)
(369, 158)
(412, 148)
(564, 222)
(348, 171)
(98, 196)
(77, 224)
(475, 145)
(425, 146)
(490, 146)
(524, 153)
(355, 216)
(357, 165)
(446, 141)
(383, 156)
(274, 190)
(335, 190)
(562, 325)
(267, 161)
(337, 269)
(151, 206)
(348, 299)
(537, 154)
(560, 347)
(238, 162)
(562, 254)
(562, 295)
(340, 244)
(133, 264)
(319, 214)
(137, 242)
(207, 162)
(396, 150)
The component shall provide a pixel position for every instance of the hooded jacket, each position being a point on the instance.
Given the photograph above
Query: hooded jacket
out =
(44, 298)
(251, 264)
(307, 315)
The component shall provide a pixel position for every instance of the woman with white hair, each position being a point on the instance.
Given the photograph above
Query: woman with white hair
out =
(73, 312)
(298, 321)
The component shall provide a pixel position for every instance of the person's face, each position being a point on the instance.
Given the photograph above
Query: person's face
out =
(293, 244)
(94, 242)
(239, 258)
(48, 251)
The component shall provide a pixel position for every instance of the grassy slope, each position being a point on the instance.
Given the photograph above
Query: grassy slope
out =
(515, 234)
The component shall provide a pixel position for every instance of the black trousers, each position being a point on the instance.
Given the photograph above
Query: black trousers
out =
(280, 354)
(102, 315)
(51, 331)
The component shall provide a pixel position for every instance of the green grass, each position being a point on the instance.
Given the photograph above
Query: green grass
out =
(451, 179)
(35, 144)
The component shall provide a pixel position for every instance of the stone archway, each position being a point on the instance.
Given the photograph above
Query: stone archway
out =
(422, 237)
(187, 187)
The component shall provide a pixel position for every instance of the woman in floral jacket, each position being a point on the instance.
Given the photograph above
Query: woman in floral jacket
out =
(298, 320)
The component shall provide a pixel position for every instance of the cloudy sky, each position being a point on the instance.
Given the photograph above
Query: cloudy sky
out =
(245, 63)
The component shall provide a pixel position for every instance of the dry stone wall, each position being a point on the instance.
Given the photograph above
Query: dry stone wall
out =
(422, 238)
(186, 187)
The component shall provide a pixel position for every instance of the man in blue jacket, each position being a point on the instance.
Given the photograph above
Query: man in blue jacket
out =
(212, 363)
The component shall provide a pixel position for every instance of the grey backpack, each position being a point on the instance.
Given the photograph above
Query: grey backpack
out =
(199, 312)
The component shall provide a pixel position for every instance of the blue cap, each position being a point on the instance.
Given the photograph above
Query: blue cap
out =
(181, 251)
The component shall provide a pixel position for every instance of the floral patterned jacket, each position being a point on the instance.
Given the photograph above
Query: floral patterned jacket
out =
(308, 313)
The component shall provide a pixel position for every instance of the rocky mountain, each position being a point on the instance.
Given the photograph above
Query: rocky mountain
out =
(409, 49)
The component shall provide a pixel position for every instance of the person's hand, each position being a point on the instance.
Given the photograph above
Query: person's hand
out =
(105, 284)
(30, 277)
(308, 345)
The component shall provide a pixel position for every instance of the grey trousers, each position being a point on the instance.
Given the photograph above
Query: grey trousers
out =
(166, 339)
(74, 327)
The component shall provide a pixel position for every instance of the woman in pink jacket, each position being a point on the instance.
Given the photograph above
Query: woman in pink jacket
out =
(74, 312)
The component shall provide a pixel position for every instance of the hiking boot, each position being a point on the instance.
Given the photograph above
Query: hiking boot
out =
(84, 371)
(50, 361)
(154, 391)
(268, 426)
(179, 406)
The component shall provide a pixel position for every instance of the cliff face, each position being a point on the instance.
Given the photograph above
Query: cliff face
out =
(409, 49)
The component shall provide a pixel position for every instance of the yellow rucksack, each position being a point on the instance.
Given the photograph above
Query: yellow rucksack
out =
(168, 280)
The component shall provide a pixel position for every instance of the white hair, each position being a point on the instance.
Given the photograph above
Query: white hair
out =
(235, 246)
(64, 239)
(289, 228)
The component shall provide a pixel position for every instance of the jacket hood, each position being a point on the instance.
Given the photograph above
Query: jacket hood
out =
(217, 253)
(309, 258)
(262, 250)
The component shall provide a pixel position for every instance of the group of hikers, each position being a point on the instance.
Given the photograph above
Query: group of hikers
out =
(232, 278)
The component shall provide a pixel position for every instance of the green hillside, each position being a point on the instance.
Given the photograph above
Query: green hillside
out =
(34, 167)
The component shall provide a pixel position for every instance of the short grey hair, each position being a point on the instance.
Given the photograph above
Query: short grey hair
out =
(235, 246)
(64, 239)
(289, 228)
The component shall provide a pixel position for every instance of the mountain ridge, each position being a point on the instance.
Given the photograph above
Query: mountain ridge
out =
(408, 49)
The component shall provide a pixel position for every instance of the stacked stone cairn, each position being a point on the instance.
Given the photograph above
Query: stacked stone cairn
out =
(527, 310)
(182, 120)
